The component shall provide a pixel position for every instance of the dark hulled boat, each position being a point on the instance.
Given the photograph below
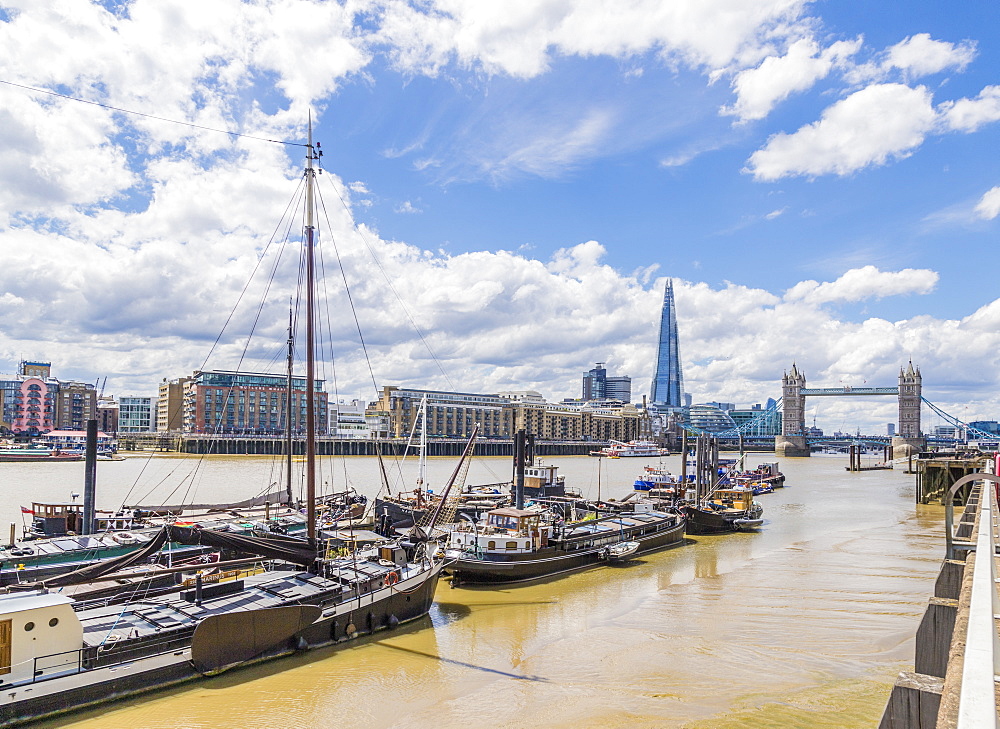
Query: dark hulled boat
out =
(64, 655)
(515, 545)
(728, 510)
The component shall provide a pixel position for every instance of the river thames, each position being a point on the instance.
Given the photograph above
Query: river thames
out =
(803, 624)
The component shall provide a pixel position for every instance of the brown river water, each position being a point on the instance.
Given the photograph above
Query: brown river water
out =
(802, 624)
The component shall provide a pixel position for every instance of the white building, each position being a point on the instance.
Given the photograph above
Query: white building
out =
(347, 420)
(136, 414)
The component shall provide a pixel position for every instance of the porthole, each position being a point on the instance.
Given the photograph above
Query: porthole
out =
(29, 626)
(53, 622)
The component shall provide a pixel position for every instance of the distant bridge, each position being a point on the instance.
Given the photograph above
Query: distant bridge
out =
(750, 430)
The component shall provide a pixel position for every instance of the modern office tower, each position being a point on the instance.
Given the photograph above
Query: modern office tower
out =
(593, 383)
(618, 388)
(598, 386)
(668, 381)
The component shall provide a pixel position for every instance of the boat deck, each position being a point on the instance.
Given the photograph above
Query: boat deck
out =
(151, 618)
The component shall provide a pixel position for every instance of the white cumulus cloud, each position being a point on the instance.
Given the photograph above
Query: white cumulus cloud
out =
(988, 206)
(759, 89)
(869, 127)
(921, 55)
(863, 283)
(968, 115)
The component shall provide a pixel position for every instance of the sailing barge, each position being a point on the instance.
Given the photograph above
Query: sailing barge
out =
(59, 655)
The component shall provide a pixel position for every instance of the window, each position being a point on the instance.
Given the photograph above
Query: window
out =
(511, 545)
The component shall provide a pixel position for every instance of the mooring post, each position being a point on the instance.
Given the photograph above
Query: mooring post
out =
(90, 478)
(684, 457)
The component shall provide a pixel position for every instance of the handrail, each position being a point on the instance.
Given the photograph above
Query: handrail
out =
(981, 663)
(949, 510)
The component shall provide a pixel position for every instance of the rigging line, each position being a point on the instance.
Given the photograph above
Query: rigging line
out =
(388, 280)
(260, 259)
(350, 299)
(297, 195)
(135, 483)
(333, 359)
(155, 486)
(151, 116)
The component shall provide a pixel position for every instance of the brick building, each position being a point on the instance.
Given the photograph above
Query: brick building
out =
(249, 403)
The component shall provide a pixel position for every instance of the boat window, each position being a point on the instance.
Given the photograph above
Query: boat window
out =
(491, 544)
(53, 622)
(29, 626)
(511, 545)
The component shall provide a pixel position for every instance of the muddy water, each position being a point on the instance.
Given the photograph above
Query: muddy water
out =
(804, 624)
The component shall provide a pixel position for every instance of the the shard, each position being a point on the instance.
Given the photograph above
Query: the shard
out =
(668, 382)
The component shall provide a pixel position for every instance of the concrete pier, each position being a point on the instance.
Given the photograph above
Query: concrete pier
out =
(791, 446)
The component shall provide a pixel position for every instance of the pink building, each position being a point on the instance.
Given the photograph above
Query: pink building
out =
(34, 406)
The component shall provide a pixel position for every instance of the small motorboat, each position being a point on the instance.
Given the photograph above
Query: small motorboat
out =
(620, 552)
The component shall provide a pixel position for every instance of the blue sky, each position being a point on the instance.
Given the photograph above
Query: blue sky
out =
(819, 179)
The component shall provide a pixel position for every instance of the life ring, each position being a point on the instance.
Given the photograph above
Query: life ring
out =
(125, 538)
(390, 579)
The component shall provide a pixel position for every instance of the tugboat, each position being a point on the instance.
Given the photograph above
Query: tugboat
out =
(726, 510)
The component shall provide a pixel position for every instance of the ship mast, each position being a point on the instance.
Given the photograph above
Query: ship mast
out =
(288, 412)
(310, 343)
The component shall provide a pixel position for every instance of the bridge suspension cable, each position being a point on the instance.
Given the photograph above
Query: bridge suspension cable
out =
(969, 430)
(742, 429)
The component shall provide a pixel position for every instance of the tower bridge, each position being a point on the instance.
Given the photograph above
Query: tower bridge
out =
(793, 440)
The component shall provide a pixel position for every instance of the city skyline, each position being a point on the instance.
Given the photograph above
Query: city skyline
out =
(817, 180)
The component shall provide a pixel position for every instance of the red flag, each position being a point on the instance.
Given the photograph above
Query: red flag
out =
(26, 510)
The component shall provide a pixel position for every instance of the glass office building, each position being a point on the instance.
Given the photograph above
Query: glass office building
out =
(668, 382)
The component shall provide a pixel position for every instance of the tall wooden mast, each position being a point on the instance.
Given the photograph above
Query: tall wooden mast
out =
(310, 342)
(288, 411)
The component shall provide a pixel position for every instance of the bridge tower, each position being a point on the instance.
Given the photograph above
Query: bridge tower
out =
(910, 439)
(792, 441)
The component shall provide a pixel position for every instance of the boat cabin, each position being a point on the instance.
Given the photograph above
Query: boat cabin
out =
(60, 520)
(56, 520)
(734, 498)
(542, 480)
(40, 637)
(506, 530)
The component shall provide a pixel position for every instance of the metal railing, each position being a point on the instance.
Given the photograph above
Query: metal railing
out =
(981, 663)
